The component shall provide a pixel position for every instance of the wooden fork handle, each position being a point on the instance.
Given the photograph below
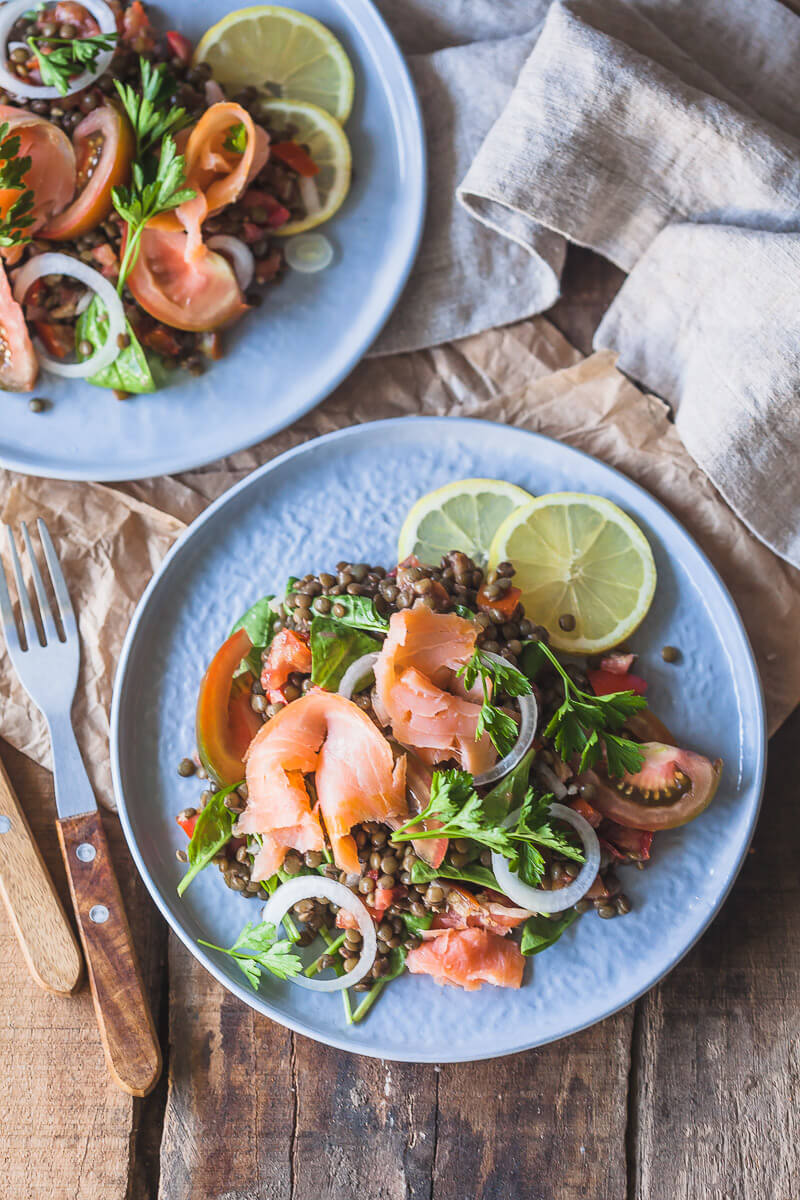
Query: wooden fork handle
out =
(40, 923)
(123, 1013)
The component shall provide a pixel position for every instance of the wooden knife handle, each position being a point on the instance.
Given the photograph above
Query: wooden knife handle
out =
(39, 921)
(129, 1037)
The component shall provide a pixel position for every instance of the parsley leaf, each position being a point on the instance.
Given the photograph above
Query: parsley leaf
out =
(256, 950)
(495, 677)
(148, 107)
(65, 56)
(585, 724)
(236, 141)
(13, 170)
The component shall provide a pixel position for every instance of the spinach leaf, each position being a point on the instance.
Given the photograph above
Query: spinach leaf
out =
(213, 830)
(539, 933)
(414, 924)
(259, 623)
(130, 371)
(508, 795)
(422, 872)
(334, 647)
(464, 612)
(397, 964)
(360, 612)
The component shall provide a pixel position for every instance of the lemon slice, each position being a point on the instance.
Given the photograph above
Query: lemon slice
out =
(283, 53)
(578, 556)
(328, 146)
(459, 516)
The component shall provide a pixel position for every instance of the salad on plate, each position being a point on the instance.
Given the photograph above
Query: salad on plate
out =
(151, 189)
(437, 767)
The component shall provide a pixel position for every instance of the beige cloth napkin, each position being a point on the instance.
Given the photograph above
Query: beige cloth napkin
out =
(665, 135)
(112, 539)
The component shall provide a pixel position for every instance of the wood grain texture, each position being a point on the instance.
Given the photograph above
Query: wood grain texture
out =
(123, 1014)
(716, 1090)
(34, 908)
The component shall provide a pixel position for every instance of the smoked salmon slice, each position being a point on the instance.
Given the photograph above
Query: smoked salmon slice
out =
(415, 682)
(355, 776)
(288, 652)
(467, 958)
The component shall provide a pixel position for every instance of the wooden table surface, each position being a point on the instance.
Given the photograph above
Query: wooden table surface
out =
(689, 1094)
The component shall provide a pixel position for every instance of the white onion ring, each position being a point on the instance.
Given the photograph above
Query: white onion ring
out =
(240, 255)
(10, 14)
(529, 719)
(53, 263)
(548, 775)
(537, 900)
(309, 887)
(309, 194)
(355, 673)
(308, 253)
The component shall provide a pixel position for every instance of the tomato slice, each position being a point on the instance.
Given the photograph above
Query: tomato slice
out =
(18, 363)
(605, 682)
(661, 761)
(187, 824)
(180, 46)
(197, 295)
(51, 176)
(107, 132)
(226, 724)
(505, 604)
(295, 157)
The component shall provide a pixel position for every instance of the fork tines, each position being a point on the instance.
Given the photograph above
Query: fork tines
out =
(38, 622)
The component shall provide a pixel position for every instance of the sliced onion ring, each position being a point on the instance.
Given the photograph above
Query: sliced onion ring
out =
(240, 255)
(529, 719)
(53, 263)
(356, 673)
(539, 901)
(309, 887)
(549, 777)
(308, 253)
(10, 14)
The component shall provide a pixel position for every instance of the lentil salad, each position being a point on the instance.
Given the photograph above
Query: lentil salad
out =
(125, 253)
(464, 875)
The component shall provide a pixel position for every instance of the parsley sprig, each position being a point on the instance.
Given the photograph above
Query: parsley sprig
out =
(144, 200)
(149, 111)
(256, 950)
(13, 170)
(66, 57)
(236, 141)
(461, 813)
(585, 724)
(495, 677)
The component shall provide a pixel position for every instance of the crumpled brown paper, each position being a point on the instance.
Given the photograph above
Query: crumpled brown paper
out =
(112, 539)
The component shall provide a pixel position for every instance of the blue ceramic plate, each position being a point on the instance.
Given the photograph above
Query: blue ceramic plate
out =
(343, 497)
(310, 331)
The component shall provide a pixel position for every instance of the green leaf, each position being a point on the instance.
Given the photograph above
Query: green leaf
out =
(462, 611)
(259, 623)
(334, 647)
(359, 612)
(423, 872)
(68, 56)
(236, 141)
(509, 794)
(256, 950)
(414, 924)
(213, 830)
(495, 677)
(130, 371)
(539, 933)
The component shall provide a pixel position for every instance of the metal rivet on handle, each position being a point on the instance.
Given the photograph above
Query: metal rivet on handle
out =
(98, 913)
(5, 824)
(85, 852)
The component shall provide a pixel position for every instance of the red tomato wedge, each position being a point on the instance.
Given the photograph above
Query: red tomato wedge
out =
(295, 157)
(218, 174)
(180, 46)
(196, 295)
(18, 363)
(187, 824)
(225, 723)
(107, 132)
(51, 177)
(605, 682)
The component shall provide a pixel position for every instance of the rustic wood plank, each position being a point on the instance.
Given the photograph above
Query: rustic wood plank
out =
(545, 1125)
(717, 1078)
(66, 1129)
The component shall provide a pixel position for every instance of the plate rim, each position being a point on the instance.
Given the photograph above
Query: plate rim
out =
(253, 999)
(417, 202)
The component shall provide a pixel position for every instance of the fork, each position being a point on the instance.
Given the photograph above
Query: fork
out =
(47, 665)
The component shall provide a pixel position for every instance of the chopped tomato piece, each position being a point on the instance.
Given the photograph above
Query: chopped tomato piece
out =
(68, 13)
(136, 28)
(187, 824)
(198, 295)
(384, 898)
(18, 363)
(605, 682)
(295, 157)
(257, 203)
(180, 46)
(505, 604)
(632, 843)
(111, 129)
(586, 811)
(226, 724)
(58, 340)
(289, 652)
(617, 663)
(162, 341)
